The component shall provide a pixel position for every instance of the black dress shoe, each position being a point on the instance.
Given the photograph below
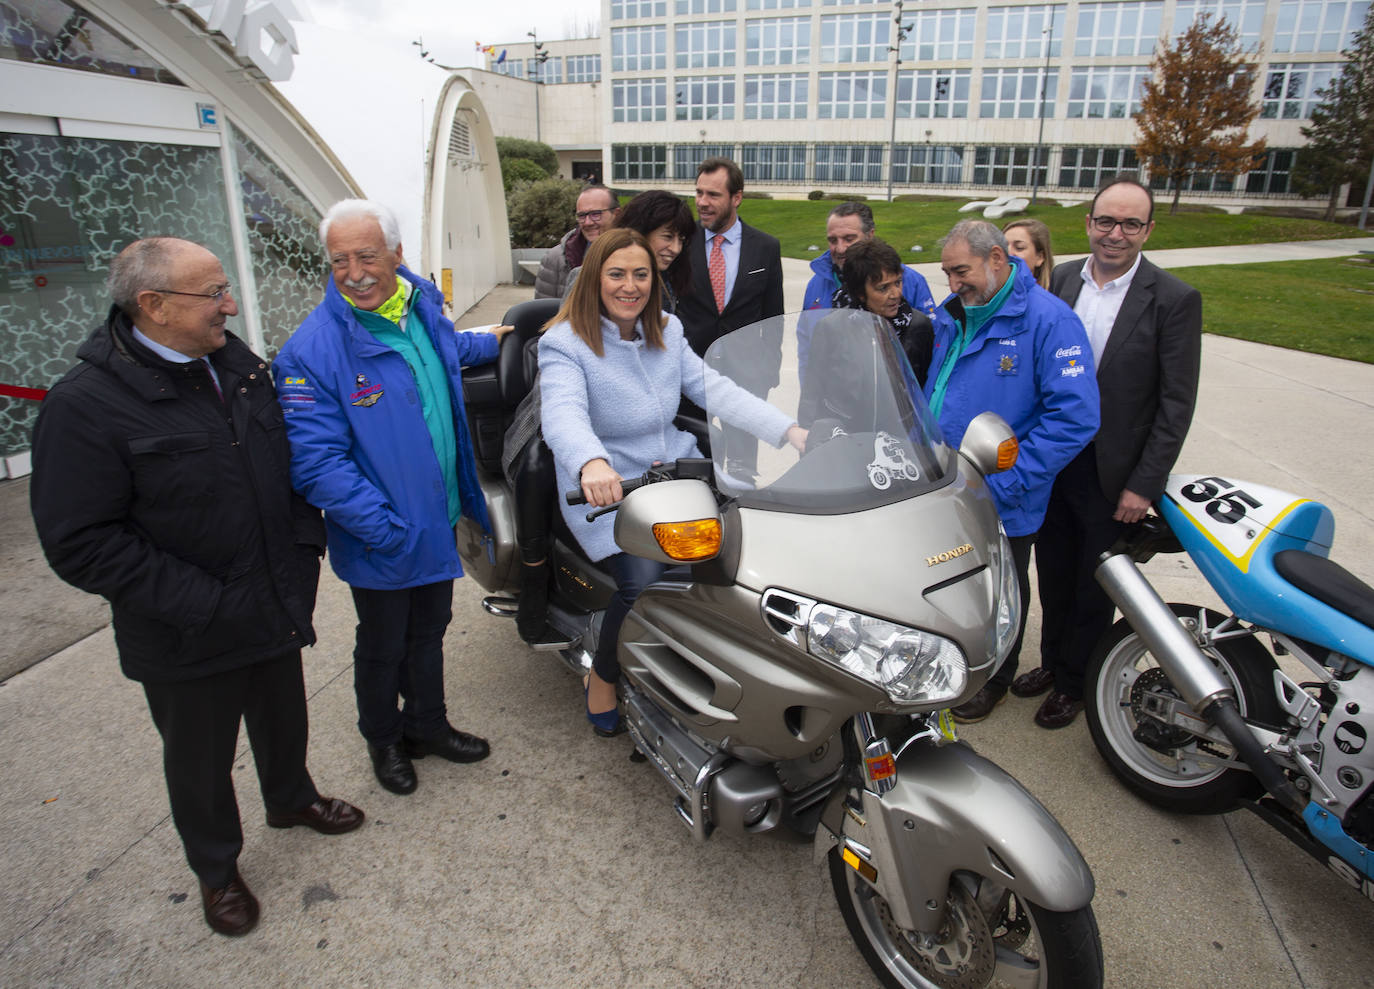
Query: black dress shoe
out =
(393, 767)
(452, 744)
(980, 705)
(1057, 710)
(1034, 683)
(327, 815)
(232, 910)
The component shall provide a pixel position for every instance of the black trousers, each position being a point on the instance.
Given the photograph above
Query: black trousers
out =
(1075, 611)
(199, 723)
(399, 656)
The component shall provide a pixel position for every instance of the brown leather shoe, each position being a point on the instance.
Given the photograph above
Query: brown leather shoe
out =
(1034, 683)
(1057, 710)
(233, 910)
(980, 705)
(327, 815)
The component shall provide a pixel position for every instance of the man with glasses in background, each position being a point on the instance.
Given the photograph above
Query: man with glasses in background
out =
(596, 211)
(1145, 329)
(372, 388)
(160, 482)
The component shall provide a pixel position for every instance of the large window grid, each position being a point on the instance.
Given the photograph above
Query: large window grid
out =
(849, 163)
(1106, 91)
(1020, 32)
(1290, 90)
(513, 67)
(924, 164)
(584, 68)
(777, 41)
(686, 8)
(777, 4)
(704, 98)
(855, 37)
(1088, 168)
(549, 71)
(938, 93)
(845, 95)
(705, 45)
(1118, 28)
(939, 35)
(1196, 182)
(624, 10)
(775, 97)
(1010, 93)
(774, 162)
(1246, 16)
(1273, 173)
(635, 49)
(1008, 166)
(636, 100)
(1317, 25)
(686, 158)
(639, 162)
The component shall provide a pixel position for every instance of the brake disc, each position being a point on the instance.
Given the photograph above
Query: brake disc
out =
(960, 955)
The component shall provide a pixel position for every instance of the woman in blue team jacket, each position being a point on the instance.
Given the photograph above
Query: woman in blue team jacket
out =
(612, 366)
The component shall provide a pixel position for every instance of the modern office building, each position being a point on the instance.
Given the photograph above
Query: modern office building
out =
(849, 94)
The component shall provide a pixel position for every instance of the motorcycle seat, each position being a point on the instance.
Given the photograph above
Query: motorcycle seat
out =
(1328, 582)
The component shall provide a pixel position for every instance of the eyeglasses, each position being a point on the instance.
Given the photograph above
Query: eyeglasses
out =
(591, 214)
(1104, 224)
(218, 294)
(365, 258)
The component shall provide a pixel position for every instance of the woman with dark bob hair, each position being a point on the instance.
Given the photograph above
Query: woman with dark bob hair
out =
(873, 281)
(612, 368)
(667, 224)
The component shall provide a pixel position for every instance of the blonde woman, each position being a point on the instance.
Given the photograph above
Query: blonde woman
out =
(1029, 240)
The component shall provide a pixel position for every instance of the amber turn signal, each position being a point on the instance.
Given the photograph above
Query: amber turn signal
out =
(689, 541)
(1007, 451)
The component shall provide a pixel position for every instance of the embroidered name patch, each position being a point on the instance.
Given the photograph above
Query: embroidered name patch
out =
(367, 396)
(1009, 363)
(295, 395)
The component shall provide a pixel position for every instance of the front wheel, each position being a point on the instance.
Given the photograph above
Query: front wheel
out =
(990, 937)
(1138, 720)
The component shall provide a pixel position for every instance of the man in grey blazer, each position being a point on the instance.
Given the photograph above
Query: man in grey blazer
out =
(736, 281)
(1145, 328)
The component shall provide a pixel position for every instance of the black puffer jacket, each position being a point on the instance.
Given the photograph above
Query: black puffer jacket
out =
(175, 506)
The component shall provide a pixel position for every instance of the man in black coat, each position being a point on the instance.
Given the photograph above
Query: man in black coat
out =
(1145, 328)
(161, 482)
(736, 281)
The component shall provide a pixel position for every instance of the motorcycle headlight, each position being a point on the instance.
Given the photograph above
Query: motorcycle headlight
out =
(1008, 599)
(912, 666)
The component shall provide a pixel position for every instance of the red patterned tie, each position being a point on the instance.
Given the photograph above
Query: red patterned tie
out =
(716, 266)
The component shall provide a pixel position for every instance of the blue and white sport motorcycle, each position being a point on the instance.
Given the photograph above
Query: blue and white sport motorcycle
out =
(1189, 707)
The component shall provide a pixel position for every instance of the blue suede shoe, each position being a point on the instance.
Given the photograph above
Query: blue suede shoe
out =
(606, 723)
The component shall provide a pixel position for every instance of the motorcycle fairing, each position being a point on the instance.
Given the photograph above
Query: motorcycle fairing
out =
(1233, 531)
(1327, 828)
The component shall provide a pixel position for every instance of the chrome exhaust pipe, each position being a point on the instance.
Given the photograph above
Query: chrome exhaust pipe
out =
(1187, 667)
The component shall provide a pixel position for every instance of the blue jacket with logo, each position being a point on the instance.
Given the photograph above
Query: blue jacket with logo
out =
(1032, 365)
(821, 288)
(360, 449)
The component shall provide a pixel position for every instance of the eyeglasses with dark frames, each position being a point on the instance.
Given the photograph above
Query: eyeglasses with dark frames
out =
(1130, 225)
(591, 214)
(218, 295)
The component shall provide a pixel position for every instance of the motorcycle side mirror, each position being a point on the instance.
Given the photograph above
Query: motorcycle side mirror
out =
(989, 444)
(671, 522)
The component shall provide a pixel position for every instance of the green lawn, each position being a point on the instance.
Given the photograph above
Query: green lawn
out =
(1323, 307)
(800, 225)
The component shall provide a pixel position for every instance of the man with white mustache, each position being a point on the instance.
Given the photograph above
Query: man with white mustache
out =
(372, 388)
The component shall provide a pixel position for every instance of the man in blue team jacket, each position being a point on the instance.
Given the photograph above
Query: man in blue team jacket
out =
(372, 389)
(1002, 343)
(849, 223)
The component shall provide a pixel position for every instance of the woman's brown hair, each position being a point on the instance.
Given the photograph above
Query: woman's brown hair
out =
(1040, 238)
(582, 307)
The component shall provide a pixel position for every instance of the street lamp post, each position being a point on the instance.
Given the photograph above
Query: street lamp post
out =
(1044, 91)
(537, 71)
(901, 32)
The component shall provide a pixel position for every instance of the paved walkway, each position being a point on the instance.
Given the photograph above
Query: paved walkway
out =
(559, 863)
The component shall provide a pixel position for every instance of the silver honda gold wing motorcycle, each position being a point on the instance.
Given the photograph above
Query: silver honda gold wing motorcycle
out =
(790, 676)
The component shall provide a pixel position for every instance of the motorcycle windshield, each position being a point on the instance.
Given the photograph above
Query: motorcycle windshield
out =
(842, 375)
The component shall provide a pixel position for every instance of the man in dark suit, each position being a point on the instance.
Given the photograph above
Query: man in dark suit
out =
(736, 281)
(1145, 328)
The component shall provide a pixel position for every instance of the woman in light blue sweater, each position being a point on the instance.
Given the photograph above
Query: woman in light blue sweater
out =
(612, 367)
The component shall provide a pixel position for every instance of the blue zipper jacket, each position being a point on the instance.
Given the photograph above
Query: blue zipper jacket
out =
(1032, 365)
(360, 449)
(821, 288)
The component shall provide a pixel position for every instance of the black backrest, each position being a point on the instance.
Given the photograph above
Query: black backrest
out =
(528, 318)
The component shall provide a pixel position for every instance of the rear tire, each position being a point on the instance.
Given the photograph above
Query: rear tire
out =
(1183, 778)
(991, 936)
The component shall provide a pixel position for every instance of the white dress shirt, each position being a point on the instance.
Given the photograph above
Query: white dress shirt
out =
(1098, 306)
